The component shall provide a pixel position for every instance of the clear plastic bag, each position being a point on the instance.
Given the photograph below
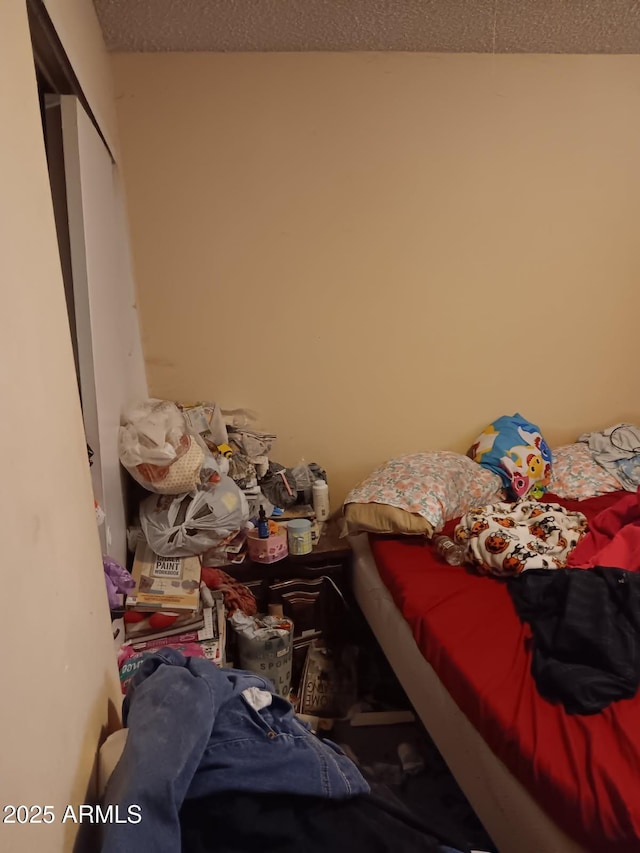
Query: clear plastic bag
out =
(304, 481)
(192, 524)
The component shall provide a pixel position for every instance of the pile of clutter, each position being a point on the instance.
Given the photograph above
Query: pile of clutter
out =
(209, 475)
(213, 494)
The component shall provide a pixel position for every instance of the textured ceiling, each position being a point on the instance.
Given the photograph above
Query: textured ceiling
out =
(478, 26)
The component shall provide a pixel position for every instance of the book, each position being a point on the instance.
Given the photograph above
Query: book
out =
(212, 636)
(209, 629)
(164, 583)
(186, 623)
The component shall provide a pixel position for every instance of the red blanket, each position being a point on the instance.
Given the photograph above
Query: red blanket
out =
(613, 538)
(584, 771)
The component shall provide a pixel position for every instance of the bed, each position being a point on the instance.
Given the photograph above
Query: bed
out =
(540, 780)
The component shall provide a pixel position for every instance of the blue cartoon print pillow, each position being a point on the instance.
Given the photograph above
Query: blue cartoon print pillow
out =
(514, 449)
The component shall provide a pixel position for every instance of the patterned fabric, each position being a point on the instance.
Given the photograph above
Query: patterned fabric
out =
(514, 449)
(438, 485)
(177, 478)
(509, 538)
(575, 475)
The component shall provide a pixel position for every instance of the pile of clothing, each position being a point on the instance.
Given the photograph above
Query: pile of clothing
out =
(585, 619)
(214, 760)
(617, 450)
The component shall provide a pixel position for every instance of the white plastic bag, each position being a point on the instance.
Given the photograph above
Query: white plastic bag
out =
(151, 432)
(192, 524)
(155, 447)
(213, 467)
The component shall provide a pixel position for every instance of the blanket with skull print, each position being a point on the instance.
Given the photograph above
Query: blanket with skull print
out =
(508, 538)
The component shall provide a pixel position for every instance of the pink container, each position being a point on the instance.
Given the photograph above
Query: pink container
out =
(267, 550)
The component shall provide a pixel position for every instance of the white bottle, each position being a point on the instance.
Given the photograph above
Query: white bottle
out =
(321, 499)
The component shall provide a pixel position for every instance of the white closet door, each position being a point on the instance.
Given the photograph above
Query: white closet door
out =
(110, 357)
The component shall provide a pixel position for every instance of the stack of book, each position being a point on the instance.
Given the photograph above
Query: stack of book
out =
(170, 608)
(164, 583)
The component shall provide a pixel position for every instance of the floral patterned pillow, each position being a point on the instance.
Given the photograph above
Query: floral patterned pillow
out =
(438, 486)
(575, 475)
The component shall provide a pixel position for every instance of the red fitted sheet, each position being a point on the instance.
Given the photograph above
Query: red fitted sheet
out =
(584, 771)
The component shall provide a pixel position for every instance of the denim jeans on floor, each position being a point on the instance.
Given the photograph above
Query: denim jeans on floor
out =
(192, 732)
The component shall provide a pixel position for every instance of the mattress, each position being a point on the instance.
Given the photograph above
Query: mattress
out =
(582, 771)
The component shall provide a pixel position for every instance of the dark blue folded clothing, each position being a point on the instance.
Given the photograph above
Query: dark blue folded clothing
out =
(586, 634)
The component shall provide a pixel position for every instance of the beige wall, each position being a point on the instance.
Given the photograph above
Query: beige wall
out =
(382, 253)
(58, 669)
